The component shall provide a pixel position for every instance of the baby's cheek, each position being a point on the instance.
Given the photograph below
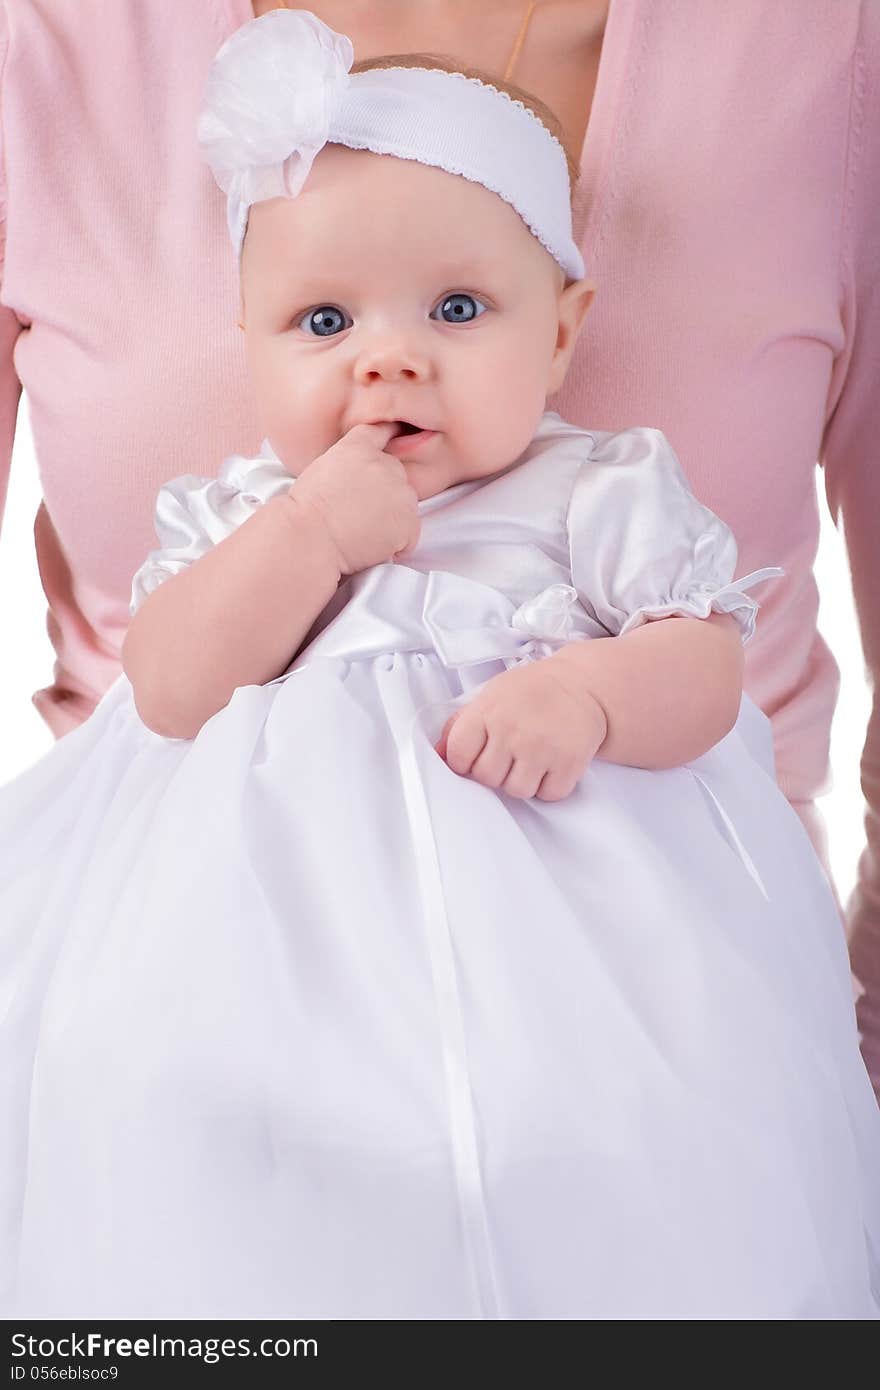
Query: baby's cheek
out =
(510, 418)
(297, 447)
(298, 432)
(518, 386)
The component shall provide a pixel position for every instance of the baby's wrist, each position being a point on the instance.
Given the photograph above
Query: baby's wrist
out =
(569, 672)
(600, 715)
(312, 532)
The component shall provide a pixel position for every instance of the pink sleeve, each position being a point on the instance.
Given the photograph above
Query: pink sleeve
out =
(10, 327)
(851, 461)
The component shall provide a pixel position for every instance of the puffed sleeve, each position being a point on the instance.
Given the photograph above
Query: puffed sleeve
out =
(192, 515)
(640, 544)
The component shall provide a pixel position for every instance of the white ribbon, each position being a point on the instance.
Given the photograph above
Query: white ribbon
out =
(462, 1116)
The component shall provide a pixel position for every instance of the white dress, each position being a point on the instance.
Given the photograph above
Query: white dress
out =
(297, 1022)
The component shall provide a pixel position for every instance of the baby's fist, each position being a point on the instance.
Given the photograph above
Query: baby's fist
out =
(528, 732)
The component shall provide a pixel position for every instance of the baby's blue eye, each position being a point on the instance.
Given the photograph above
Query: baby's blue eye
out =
(323, 322)
(459, 308)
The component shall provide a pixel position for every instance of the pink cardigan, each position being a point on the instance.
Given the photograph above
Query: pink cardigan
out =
(728, 213)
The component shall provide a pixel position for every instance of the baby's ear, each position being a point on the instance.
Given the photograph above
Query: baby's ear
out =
(574, 301)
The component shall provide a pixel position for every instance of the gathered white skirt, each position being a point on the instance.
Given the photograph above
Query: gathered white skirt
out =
(297, 1022)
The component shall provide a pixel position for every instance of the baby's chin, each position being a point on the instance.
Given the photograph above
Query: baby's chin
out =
(430, 482)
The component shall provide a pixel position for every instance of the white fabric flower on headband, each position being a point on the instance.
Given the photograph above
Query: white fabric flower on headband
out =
(299, 68)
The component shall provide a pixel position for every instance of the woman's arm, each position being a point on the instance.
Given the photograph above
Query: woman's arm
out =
(10, 390)
(236, 616)
(670, 689)
(10, 327)
(852, 486)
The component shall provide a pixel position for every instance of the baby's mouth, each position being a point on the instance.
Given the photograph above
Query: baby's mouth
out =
(408, 440)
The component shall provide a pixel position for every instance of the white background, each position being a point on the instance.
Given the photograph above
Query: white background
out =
(26, 656)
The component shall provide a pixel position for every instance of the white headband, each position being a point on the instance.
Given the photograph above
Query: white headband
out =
(279, 89)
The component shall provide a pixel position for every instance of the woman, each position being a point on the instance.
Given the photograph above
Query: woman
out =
(729, 182)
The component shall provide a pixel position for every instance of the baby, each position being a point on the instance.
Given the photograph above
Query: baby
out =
(315, 1016)
(363, 320)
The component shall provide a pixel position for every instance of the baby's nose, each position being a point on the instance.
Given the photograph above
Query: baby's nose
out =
(390, 362)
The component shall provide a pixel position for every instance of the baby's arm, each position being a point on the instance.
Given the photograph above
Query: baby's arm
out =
(670, 689)
(235, 617)
(653, 568)
(656, 697)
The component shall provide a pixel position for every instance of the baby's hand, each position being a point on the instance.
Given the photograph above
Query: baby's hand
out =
(529, 732)
(362, 497)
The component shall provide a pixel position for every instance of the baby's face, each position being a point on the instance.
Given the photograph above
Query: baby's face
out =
(392, 290)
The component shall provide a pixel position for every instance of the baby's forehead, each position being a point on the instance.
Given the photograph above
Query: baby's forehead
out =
(384, 195)
(358, 210)
(375, 188)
